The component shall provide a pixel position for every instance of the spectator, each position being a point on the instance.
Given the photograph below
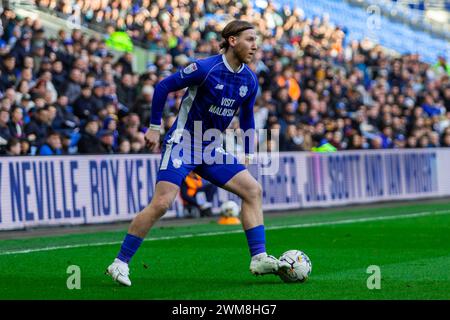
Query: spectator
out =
(142, 107)
(293, 140)
(107, 141)
(13, 147)
(126, 91)
(26, 148)
(28, 76)
(89, 143)
(53, 145)
(16, 124)
(69, 143)
(64, 120)
(36, 130)
(23, 87)
(446, 141)
(356, 142)
(72, 88)
(376, 142)
(137, 146)
(5, 104)
(124, 146)
(84, 105)
(98, 97)
(127, 63)
(5, 133)
(434, 139)
(387, 137)
(22, 48)
(411, 142)
(321, 144)
(58, 75)
(400, 142)
(287, 80)
(424, 142)
(110, 123)
(9, 73)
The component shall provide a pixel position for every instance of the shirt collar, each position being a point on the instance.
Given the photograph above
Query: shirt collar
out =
(229, 67)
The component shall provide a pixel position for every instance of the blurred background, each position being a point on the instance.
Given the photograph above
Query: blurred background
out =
(358, 74)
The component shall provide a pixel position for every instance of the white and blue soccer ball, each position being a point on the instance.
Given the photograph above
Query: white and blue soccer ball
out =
(300, 266)
(229, 209)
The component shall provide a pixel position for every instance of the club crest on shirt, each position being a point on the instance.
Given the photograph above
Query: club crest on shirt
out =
(190, 68)
(243, 91)
(177, 163)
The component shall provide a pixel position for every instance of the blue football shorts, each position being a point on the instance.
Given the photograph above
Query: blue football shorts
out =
(216, 165)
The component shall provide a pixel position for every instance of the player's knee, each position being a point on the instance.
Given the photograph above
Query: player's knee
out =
(161, 205)
(254, 192)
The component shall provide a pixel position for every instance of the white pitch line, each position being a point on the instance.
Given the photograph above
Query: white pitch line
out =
(302, 225)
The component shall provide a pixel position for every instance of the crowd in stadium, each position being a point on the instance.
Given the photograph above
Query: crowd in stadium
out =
(70, 95)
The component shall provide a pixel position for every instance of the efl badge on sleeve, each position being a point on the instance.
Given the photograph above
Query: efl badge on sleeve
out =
(190, 68)
(243, 91)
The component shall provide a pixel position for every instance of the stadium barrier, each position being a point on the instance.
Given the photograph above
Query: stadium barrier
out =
(76, 190)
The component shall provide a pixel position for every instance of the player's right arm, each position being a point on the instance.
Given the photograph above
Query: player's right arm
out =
(192, 75)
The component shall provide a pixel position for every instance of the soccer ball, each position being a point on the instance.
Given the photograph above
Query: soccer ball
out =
(300, 266)
(229, 209)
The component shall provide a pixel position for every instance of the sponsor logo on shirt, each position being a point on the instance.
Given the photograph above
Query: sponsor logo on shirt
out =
(224, 112)
(227, 102)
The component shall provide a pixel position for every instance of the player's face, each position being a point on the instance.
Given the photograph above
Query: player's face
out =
(245, 48)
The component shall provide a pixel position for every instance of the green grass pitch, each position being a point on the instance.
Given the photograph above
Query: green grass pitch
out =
(410, 244)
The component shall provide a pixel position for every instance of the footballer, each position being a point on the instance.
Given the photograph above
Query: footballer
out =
(218, 87)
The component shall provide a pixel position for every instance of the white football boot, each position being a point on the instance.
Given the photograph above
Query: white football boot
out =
(264, 264)
(119, 271)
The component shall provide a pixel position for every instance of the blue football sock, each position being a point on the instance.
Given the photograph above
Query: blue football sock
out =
(129, 247)
(256, 239)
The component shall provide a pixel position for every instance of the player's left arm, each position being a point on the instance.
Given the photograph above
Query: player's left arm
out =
(247, 122)
(192, 75)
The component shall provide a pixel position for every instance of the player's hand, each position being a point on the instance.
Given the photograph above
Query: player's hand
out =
(152, 137)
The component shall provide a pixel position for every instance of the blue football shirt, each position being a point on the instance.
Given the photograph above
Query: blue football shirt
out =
(215, 93)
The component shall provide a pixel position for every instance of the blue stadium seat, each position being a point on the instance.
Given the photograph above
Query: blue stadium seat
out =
(355, 19)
